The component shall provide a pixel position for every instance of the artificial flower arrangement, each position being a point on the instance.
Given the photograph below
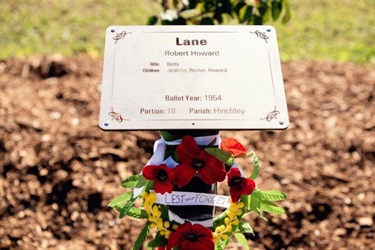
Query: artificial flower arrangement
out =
(213, 160)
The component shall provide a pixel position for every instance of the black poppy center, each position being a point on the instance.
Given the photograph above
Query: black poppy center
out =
(235, 181)
(162, 175)
(191, 237)
(198, 163)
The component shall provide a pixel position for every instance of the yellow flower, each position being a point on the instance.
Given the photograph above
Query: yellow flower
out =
(215, 237)
(235, 222)
(233, 214)
(167, 233)
(159, 223)
(239, 212)
(228, 229)
(227, 221)
(144, 195)
(220, 229)
(230, 214)
(154, 215)
(241, 205)
(152, 197)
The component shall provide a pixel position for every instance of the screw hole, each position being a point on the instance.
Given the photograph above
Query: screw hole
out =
(112, 30)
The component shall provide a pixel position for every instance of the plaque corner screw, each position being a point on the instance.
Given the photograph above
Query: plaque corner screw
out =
(106, 124)
(281, 122)
(112, 30)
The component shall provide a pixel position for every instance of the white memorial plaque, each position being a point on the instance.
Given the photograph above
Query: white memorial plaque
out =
(192, 77)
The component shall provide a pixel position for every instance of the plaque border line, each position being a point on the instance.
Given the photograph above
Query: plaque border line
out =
(236, 119)
(204, 32)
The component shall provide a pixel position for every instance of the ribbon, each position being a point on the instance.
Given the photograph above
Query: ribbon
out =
(177, 198)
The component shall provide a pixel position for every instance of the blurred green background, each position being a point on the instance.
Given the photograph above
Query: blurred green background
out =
(320, 30)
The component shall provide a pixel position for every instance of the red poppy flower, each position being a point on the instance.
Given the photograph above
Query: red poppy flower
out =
(162, 177)
(191, 237)
(239, 185)
(192, 160)
(233, 146)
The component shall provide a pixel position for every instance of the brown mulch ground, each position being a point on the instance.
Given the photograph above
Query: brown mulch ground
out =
(58, 170)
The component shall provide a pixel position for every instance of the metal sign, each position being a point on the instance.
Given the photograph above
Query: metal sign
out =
(192, 77)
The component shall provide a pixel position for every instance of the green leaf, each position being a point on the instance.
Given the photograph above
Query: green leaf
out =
(212, 143)
(226, 6)
(137, 213)
(244, 14)
(164, 212)
(126, 208)
(120, 200)
(258, 204)
(223, 156)
(276, 9)
(142, 181)
(287, 16)
(142, 237)
(159, 240)
(219, 219)
(190, 13)
(256, 20)
(271, 207)
(152, 20)
(221, 244)
(238, 7)
(272, 195)
(242, 239)
(225, 243)
(131, 181)
(167, 136)
(118, 207)
(149, 186)
(171, 153)
(201, 6)
(246, 200)
(260, 214)
(207, 21)
(135, 181)
(218, 17)
(245, 227)
(256, 167)
(246, 214)
(265, 11)
(255, 201)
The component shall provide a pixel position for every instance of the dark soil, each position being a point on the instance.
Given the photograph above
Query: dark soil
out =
(58, 170)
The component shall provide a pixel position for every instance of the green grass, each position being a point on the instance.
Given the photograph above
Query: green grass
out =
(320, 30)
(68, 27)
(329, 30)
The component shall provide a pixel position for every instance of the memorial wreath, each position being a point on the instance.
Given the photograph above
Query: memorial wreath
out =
(213, 161)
